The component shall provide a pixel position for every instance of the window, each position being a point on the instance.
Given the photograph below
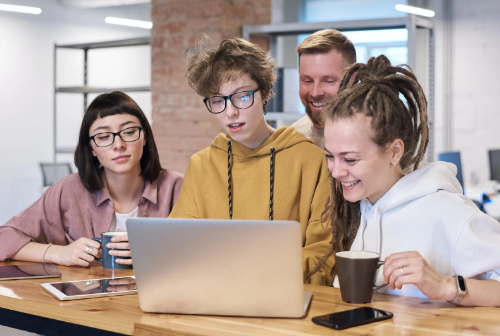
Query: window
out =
(372, 43)
(368, 43)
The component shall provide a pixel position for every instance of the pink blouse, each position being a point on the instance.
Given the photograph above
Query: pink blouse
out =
(67, 211)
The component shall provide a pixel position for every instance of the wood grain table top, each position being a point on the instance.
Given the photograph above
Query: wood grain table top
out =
(122, 314)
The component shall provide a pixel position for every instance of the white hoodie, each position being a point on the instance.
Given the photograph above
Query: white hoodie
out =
(425, 211)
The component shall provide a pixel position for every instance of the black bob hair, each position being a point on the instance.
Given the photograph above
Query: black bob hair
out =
(104, 105)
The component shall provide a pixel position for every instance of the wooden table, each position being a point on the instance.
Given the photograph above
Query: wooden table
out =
(122, 315)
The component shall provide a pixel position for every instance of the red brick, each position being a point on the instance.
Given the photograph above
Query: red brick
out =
(174, 160)
(189, 145)
(160, 13)
(189, 128)
(162, 57)
(194, 100)
(261, 41)
(190, 10)
(170, 99)
(181, 113)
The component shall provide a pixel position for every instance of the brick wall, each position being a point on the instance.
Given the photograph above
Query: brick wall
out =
(181, 123)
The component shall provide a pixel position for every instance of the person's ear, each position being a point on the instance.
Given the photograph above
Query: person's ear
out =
(266, 96)
(397, 149)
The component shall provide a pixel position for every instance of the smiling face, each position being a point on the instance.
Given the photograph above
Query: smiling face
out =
(364, 169)
(320, 76)
(121, 157)
(246, 126)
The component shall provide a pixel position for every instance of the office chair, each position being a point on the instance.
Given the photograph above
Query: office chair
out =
(54, 172)
(494, 161)
(453, 157)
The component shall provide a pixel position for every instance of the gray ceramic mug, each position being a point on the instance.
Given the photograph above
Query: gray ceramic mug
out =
(109, 261)
(356, 271)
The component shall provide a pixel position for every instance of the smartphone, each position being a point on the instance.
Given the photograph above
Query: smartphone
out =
(28, 271)
(352, 318)
(84, 289)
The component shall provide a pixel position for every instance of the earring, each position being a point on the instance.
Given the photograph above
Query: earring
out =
(393, 163)
(264, 107)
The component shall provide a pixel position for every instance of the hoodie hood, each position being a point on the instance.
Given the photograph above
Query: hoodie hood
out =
(428, 179)
(282, 138)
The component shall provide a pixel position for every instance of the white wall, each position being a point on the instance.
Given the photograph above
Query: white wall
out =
(475, 70)
(26, 85)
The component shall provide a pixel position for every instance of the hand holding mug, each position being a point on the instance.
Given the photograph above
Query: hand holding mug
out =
(81, 252)
(411, 268)
(115, 250)
(120, 242)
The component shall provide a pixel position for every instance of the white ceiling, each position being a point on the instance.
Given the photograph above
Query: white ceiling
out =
(99, 3)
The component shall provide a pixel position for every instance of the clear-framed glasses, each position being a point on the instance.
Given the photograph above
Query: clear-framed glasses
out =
(240, 100)
(105, 139)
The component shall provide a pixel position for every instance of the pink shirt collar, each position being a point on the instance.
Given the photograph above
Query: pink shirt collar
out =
(150, 193)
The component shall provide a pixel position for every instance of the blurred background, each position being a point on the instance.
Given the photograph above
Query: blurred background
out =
(54, 61)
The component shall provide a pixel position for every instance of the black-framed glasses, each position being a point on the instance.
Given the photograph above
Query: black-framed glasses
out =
(240, 100)
(105, 139)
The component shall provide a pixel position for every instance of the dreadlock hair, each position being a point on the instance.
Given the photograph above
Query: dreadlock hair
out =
(374, 89)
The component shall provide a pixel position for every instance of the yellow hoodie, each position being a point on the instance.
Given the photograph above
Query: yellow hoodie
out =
(300, 188)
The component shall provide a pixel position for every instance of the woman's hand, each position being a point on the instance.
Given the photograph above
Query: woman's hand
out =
(74, 254)
(411, 268)
(117, 244)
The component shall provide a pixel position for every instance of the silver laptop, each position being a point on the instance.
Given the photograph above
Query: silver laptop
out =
(218, 267)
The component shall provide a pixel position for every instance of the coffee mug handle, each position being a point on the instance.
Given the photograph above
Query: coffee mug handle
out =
(100, 242)
(380, 263)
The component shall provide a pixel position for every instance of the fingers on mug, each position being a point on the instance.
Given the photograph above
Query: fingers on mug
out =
(110, 261)
(99, 240)
(380, 263)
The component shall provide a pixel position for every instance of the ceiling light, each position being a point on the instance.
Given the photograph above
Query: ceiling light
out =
(415, 10)
(128, 22)
(20, 9)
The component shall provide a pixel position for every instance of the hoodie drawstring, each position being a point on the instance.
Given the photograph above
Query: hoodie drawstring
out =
(378, 222)
(271, 187)
(362, 226)
(229, 186)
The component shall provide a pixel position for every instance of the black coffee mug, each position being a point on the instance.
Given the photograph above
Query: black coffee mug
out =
(109, 261)
(356, 271)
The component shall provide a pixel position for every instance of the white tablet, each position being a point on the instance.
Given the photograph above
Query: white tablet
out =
(83, 289)
(29, 271)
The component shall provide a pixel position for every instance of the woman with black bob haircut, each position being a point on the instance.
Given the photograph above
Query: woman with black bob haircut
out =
(119, 176)
(109, 104)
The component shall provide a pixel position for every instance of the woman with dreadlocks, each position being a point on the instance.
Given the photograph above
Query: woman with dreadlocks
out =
(430, 236)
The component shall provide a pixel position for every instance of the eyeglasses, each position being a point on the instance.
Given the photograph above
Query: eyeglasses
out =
(240, 100)
(106, 139)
